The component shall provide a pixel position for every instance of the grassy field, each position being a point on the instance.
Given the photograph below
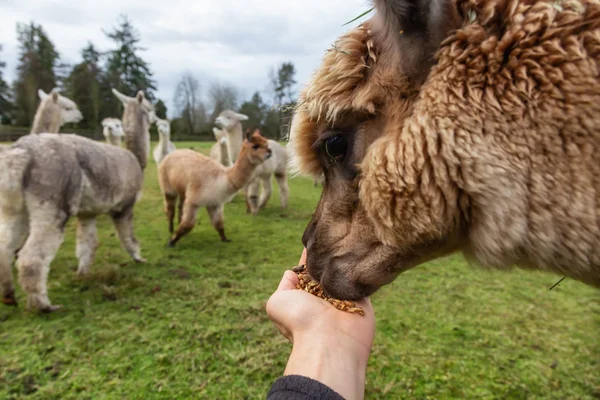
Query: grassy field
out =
(191, 323)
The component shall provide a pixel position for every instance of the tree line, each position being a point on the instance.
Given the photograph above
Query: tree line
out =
(89, 83)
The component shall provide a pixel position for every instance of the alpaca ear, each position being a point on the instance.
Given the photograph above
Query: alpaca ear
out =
(248, 135)
(418, 27)
(241, 117)
(55, 96)
(140, 97)
(124, 99)
(41, 94)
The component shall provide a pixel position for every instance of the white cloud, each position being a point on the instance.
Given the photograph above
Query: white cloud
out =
(234, 41)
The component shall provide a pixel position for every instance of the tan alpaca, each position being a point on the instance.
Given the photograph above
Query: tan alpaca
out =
(53, 112)
(199, 181)
(455, 125)
(48, 178)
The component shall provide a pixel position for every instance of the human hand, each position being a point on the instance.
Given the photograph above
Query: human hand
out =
(330, 345)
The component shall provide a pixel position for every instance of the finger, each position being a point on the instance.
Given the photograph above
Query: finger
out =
(288, 281)
(302, 257)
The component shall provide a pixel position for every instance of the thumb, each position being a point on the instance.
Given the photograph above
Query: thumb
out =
(288, 281)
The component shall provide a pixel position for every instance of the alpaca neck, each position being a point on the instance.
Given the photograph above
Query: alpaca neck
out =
(235, 138)
(114, 140)
(224, 154)
(137, 137)
(163, 141)
(241, 172)
(47, 118)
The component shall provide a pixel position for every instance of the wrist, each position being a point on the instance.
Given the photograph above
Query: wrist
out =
(335, 362)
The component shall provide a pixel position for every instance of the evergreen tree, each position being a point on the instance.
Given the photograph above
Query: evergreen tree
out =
(161, 109)
(255, 109)
(83, 86)
(282, 82)
(126, 71)
(37, 60)
(5, 98)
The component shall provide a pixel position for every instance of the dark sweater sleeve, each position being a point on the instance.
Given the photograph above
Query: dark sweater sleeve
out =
(296, 387)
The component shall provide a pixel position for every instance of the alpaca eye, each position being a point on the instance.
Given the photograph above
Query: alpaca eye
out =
(336, 148)
(256, 146)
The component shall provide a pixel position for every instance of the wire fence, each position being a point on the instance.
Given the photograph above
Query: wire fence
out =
(10, 133)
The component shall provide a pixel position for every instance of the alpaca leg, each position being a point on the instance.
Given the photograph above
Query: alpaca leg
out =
(87, 243)
(169, 201)
(34, 261)
(123, 222)
(266, 194)
(187, 222)
(252, 196)
(13, 232)
(284, 190)
(180, 210)
(216, 218)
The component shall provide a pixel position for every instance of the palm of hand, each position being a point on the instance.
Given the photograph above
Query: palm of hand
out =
(297, 313)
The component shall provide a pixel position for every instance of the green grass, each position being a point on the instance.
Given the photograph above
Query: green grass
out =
(191, 321)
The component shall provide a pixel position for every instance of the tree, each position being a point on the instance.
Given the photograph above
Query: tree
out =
(255, 109)
(281, 84)
(126, 71)
(161, 109)
(37, 60)
(187, 100)
(5, 97)
(83, 86)
(222, 97)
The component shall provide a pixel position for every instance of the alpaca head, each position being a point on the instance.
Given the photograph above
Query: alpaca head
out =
(112, 127)
(255, 147)
(163, 126)
(137, 109)
(69, 113)
(220, 136)
(363, 91)
(229, 119)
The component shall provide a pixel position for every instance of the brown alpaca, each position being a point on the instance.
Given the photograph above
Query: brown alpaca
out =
(455, 125)
(200, 181)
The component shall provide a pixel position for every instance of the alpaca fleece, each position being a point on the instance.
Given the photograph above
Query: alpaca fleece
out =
(494, 151)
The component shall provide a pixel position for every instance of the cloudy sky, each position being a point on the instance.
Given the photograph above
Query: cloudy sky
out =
(231, 41)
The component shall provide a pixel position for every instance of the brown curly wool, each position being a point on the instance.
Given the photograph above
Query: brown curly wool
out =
(490, 144)
(306, 283)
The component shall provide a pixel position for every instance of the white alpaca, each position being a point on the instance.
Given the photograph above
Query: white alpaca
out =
(53, 112)
(164, 146)
(137, 135)
(230, 122)
(112, 129)
(274, 166)
(46, 179)
(219, 151)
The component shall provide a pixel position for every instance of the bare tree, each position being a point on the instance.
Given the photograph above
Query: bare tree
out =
(187, 100)
(222, 97)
